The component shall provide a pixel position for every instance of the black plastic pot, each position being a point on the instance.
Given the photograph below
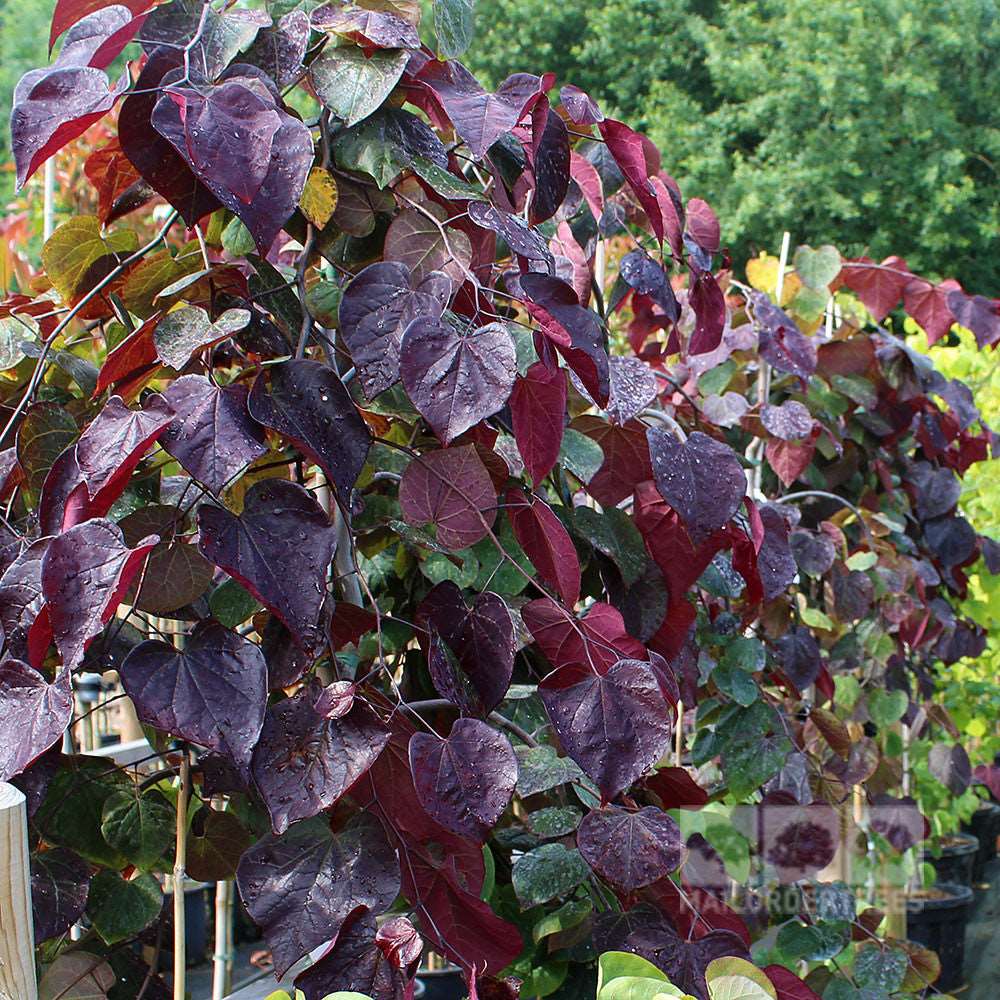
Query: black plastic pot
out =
(443, 984)
(958, 856)
(939, 924)
(985, 826)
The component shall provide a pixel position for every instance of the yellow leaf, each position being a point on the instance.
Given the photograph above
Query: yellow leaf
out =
(319, 198)
(75, 247)
(762, 273)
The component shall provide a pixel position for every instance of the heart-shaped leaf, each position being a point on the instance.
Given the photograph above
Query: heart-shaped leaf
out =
(302, 886)
(546, 543)
(212, 692)
(139, 826)
(817, 268)
(790, 421)
(615, 725)
(307, 402)
(630, 849)
(353, 83)
(184, 331)
(464, 782)
(951, 766)
(537, 405)
(119, 909)
(60, 884)
(281, 526)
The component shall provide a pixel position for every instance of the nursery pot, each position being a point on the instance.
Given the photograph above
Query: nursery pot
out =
(985, 825)
(957, 859)
(443, 984)
(936, 919)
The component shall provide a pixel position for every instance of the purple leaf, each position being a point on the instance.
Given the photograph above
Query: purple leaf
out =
(701, 478)
(709, 305)
(524, 240)
(454, 377)
(212, 692)
(252, 156)
(377, 307)
(580, 106)
(86, 572)
(936, 489)
(373, 28)
(481, 639)
(978, 314)
(301, 887)
(813, 551)
(160, 165)
(20, 603)
(799, 656)
(790, 421)
(615, 725)
(212, 434)
(354, 964)
(281, 526)
(279, 50)
(951, 539)
(35, 714)
(466, 781)
(774, 560)
(452, 490)
(951, 766)
(115, 442)
(633, 388)
(644, 275)
(54, 106)
(550, 161)
(480, 117)
(304, 762)
(782, 344)
(538, 408)
(546, 542)
(630, 849)
(853, 593)
(60, 884)
(307, 403)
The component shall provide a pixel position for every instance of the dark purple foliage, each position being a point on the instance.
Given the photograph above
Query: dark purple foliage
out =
(789, 421)
(281, 526)
(21, 600)
(782, 343)
(301, 887)
(60, 884)
(523, 239)
(630, 849)
(644, 275)
(799, 656)
(212, 692)
(465, 781)
(36, 714)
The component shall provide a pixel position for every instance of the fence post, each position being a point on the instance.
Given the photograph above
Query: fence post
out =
(17, 939)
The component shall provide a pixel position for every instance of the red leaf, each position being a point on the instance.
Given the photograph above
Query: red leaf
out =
(709, 305)
(788, 985)
(703, 225)
(537, 406)
(348, 624)
(589, 181)
(628, 149)
(675, 788)
(626, 458)
(879, 286)
(546, 543)
(927, 304)
(68, 12)
(789, 459)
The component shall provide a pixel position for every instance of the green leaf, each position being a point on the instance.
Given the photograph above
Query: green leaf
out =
(613, 534)
(232, 604)
(546, 872)
(878, 969)
(736, 979)
(751, 763)
(45, 432)
(815, 942)
(746, 653)
(581, 455)
(541, 768)
(815, 618)
(886, 707)
(70, 253)
(12, 332)
(569, 915)
(454, 25)
(554, 821)
(446, 184)
(862, 560)
(737, 683)
(140, 826)
(354, 83)
(817, 268)
(624, 976)
(119, 909)
(236, 239)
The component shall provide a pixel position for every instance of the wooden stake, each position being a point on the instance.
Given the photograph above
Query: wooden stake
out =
(222, 960)
(17, 940)
(180, 863)
(679, 734)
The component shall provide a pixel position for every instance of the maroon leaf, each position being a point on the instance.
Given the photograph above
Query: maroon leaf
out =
(452, 490)
(481, 639)
(466, 781)
(306, 402)
(85, 574)
(348, 624)
(280, 49)
(60, 884)
(377, 307)
(951, 766)
(160, 165)
(370, 28)
(789, 459)
(546, 543)
(456, 377)
(598, 640)
(212, 435)
(21, 603)
(978, 314)
(702, 225)
(304, 761)
(790, 421)
(354, 964)
(54, 106)
(281, 526)
(302, 886)
(580, 106)
(626, 458)
(69, 12)
(523, 239)
(927, 304)
(480, 117)
(709, 305)
(788, 985)
(537, 408)
(774, 560)
(35, 714)
(550, 163)
(251, 155)
(115, 442)
(630, 849)
(400, 943)
(675, 788)
(212, 692)
(782, 344)
(629, 152)
(615, 725)
(646, 276)
(879, 286)
(701, 478)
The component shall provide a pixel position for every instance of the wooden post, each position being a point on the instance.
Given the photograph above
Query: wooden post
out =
(180, 877)
(17, 938)
(222, 961)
